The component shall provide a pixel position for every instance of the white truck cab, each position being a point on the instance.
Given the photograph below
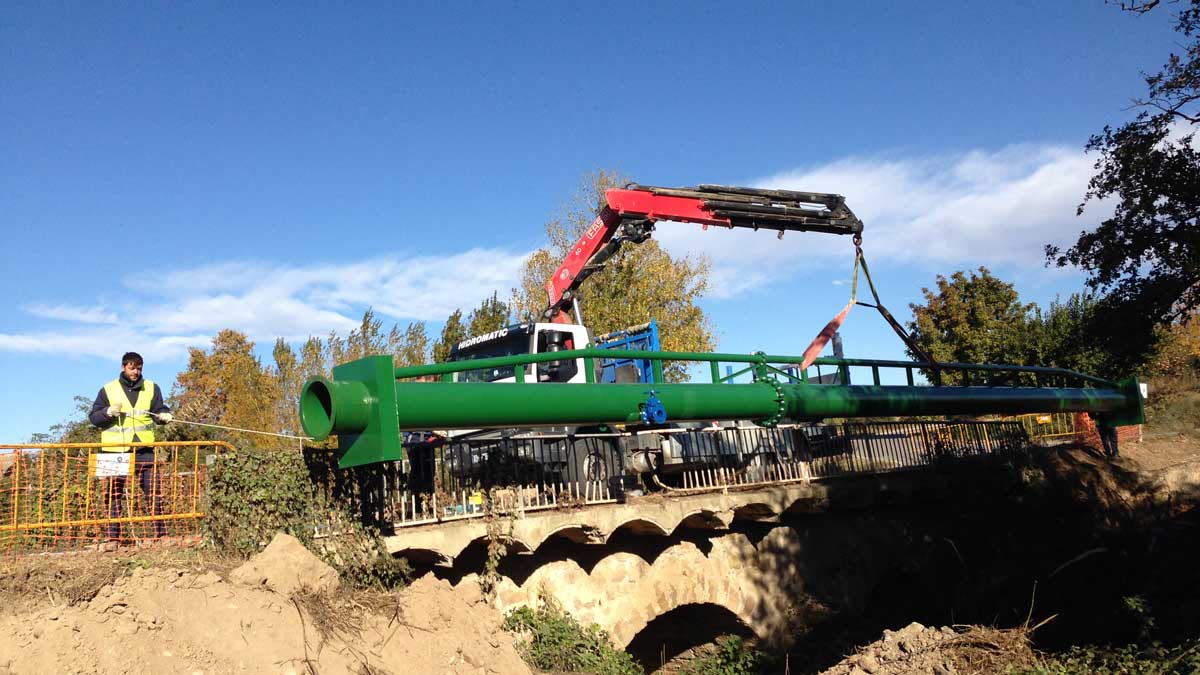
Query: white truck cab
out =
(519, 339)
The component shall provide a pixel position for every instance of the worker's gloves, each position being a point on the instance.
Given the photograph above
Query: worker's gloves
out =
(165, 418)
(115, 409)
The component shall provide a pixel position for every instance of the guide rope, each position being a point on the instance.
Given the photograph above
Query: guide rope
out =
(245, 431)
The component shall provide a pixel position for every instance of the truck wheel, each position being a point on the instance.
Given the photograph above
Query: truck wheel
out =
(596, 463)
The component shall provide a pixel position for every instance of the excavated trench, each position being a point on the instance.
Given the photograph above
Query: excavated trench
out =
(1063, 534)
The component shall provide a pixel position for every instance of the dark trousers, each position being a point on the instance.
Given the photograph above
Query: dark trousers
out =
(151, 489)
(1108, 438)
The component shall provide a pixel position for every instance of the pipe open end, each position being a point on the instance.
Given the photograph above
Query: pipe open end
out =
(316, 408)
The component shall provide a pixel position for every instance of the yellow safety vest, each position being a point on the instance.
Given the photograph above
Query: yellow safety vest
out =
(132, 427)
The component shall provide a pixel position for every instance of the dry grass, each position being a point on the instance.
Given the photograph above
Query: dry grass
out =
(983, 650)
(69, 578)
(340, 615)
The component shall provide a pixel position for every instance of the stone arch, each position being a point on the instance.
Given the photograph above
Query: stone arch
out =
(682, 628)
(641, 526)
(516, 545)
(669, 592)
(705, 519)
(623, 592)
(578, 533)
(755, 511)
(423, 557)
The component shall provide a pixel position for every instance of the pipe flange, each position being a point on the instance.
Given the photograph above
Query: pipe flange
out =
(774, 418)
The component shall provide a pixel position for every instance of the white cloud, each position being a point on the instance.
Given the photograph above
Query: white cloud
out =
(72, 313)
(991, 208)
(267, 300)
(106, 342)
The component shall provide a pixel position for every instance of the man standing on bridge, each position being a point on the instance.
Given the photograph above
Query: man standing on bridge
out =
(126, 411)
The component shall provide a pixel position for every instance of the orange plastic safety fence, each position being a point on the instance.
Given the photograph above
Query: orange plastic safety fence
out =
(78, 496)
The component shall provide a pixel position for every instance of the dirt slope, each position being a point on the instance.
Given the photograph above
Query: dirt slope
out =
(163, 620)
(917, 650)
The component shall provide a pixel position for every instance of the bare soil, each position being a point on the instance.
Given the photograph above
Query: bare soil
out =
(1164, 451)
(193, 612)
(965, 650)
(102, 614)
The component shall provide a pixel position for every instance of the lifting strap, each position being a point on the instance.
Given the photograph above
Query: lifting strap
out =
(818, 344)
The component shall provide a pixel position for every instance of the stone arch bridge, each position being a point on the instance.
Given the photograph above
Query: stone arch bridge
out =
(768, 555)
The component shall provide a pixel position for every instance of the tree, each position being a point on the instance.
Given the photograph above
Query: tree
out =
(453, 332)
(1061, 336)
(229, 386)
(288, 380)
(1179, 350)
(975, 319)
(366, 340)
(490, 315)
(312, 360)
(414, 346)
(640, 282)
(1145, 259)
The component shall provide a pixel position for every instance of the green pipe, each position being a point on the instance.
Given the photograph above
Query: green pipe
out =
(367, 408)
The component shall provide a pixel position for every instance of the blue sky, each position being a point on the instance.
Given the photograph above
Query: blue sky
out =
(171, 169)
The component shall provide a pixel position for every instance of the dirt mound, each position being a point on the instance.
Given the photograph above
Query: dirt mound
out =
(286, 567)
(938, 651)
(186, 621)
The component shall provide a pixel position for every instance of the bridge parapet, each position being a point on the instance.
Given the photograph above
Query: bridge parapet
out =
(659, 514)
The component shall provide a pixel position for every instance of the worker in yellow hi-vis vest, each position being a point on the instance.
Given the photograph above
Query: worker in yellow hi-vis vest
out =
(126, 411)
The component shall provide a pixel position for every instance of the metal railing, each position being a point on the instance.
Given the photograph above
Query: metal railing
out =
(751, 455)
(467, 478)
(440, 481)
(72, 495)
(1049, 426)
(784, 368)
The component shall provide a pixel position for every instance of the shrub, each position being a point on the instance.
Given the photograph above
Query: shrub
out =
(732, 657)
(551, 639)
(253, 494)
(1152, 659)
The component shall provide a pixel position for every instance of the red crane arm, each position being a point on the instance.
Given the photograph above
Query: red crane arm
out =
(628, 215)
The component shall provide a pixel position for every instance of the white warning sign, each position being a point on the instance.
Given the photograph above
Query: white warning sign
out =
(106, 464)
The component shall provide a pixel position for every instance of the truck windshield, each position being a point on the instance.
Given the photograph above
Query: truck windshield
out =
(510, 345)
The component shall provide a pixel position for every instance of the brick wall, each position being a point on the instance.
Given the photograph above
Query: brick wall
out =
(1086, 434)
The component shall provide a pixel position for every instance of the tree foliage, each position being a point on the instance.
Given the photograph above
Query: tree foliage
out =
(1145, 259)
(414, 346)
(289, 379)
(1179, 352)
(972, 319)
(369, 339)
(453, 332)
(1060, 337)
(979, 318)
(640, 282)
(228, 386)
(490, 315)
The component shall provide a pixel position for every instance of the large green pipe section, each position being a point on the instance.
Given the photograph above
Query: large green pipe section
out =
(367, 407)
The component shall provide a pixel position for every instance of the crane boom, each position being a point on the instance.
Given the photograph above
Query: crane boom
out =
(629, 215)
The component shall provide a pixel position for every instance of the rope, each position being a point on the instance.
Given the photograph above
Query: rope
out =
(245, 431)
